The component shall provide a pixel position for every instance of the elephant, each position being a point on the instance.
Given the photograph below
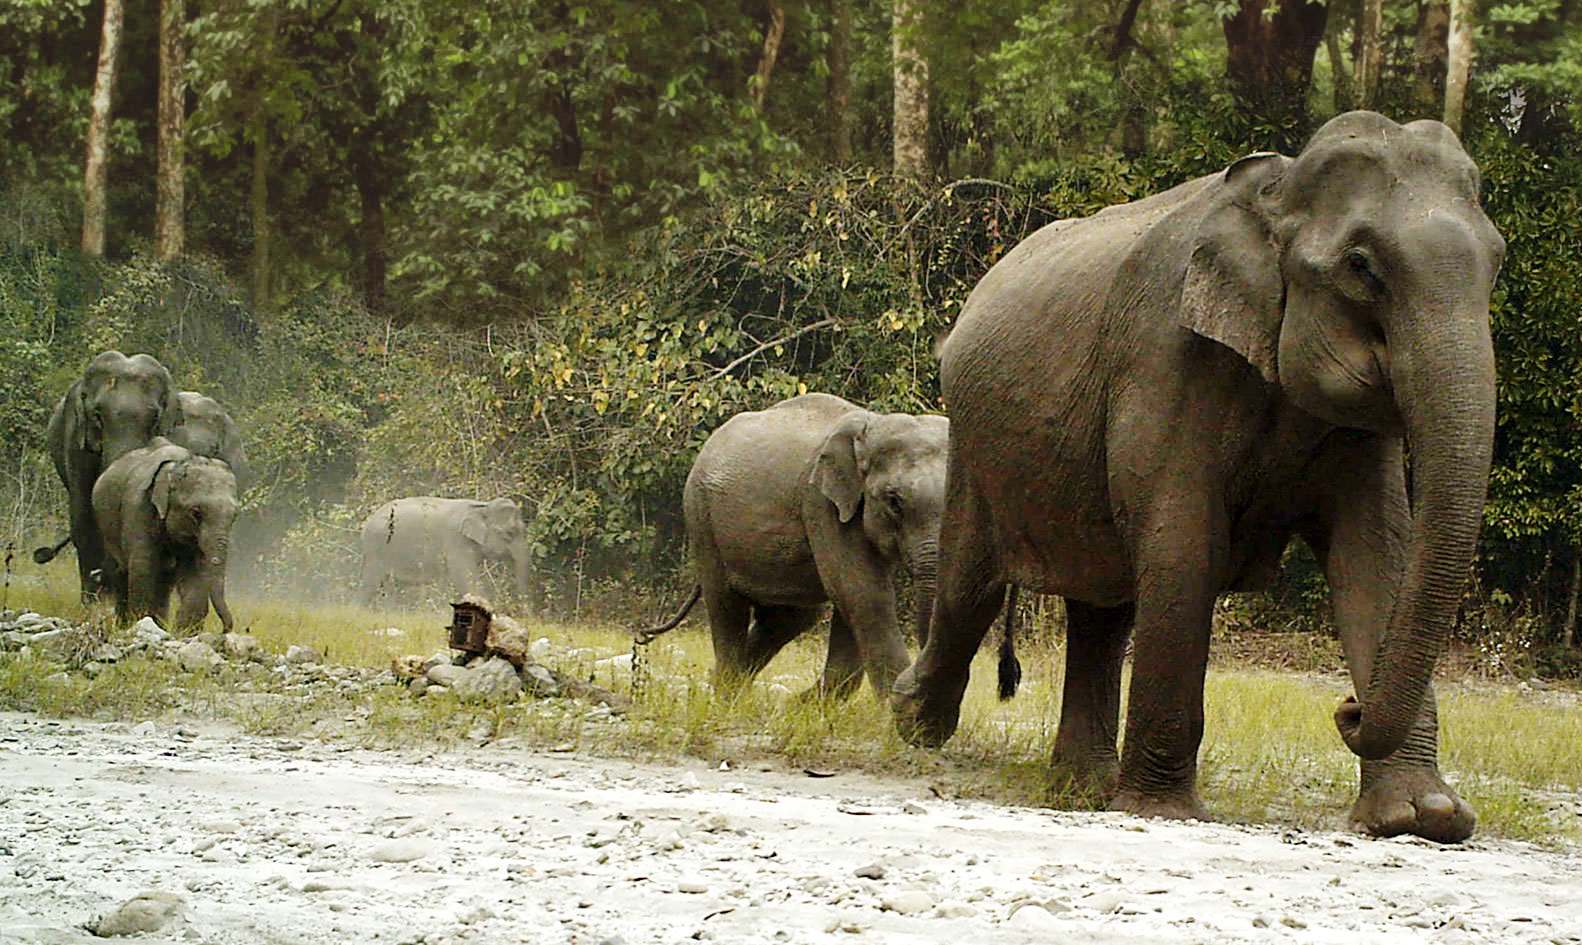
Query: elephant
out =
(166, 515)
(812, 500)
(428, 540)
(1149, 403)
(208, 430)
(119, 404)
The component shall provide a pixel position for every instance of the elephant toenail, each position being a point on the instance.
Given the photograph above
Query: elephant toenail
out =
(1435, 805)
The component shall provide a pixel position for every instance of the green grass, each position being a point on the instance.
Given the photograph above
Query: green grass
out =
(1270, 752)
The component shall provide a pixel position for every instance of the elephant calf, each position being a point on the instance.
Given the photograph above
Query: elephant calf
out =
(165, 514)
(814, 500)
(427, 540)
(206, 429)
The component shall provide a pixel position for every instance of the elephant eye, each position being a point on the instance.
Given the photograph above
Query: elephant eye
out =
(892, 499)
(1358, 262)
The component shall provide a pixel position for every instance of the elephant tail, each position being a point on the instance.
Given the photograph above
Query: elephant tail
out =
(1010, 666)
(44, 554)
(648, 635)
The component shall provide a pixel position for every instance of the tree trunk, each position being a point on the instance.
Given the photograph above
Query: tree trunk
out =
(566, 152)
(370, 190)
(840, 81)
(1432, 54)
(1345, 99)
(260, 208)
(1269, 61)
(170, 228)
(766, 62)
(1370, 53)
(96, 170)
(910, 134)
(1458, 62)
(1576, 591)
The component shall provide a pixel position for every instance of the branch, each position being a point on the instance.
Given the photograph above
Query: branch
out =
(821, 323)
(1123, 30)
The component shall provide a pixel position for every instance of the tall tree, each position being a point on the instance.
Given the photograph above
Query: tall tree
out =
(96, 173)
(258, 133)
(910, 132)
(771, 52)
(170, 214)
(1458, 62)
(1345, 97)
(839, 86)
(1370, 51)
(1269, 61)
(1431, 54)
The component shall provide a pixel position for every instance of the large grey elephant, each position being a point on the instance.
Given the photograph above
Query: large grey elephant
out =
(1147, 405)
(813, 500)
(119, 404)
(427, 540)
(208, 430)
(166, 515)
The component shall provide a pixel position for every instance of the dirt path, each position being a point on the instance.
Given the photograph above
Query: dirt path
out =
(271, 841)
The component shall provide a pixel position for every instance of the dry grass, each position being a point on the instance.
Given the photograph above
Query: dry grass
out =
(1270, 753)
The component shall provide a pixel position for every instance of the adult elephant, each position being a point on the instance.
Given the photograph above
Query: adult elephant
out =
(206, 429)
(814, 500)
(165, 514)
(1147, 404)
(119, 404)
(427, 540)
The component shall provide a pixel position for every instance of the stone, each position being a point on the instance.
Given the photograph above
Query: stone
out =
(107, 653)
(418, 686)
(540, 681)
(241, 646)
(907, 902)
(408, 667)
(1032, 917)
(446, 674)
(871, 871)
(438, 658)
(539, 649)
(148, 632)
(57, 643)
(146, 912)
(195, 656)
(402, 850)
(955, 910)
(1106, 902)
(297, 654)
(623, 661)
(692, 886)
(494, 681)
(508, 640)
(434, 690)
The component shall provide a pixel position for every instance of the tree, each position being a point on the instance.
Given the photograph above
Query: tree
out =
(910, 132)
(771, 52)
(95, 177)
(1370, 52)
(1269, 61)
(1431, 54)
(170, 216)
(1458, 62)
(839, 85)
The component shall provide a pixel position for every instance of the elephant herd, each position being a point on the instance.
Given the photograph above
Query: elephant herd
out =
(1146, 405)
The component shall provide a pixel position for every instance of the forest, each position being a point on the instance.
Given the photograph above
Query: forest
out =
(484, 248)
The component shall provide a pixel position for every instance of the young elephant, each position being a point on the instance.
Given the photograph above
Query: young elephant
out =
(207, 430)
(814, 500)
(427, 540)
(166, 515)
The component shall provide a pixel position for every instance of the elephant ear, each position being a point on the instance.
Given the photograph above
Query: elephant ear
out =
(841, 465)
(159, 488)
(1233, 292)
(170, 415)
(79, 433)
(473, 526)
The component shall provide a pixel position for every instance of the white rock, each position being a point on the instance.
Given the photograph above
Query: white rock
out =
(539, 649)
(1033, 918)
(955, 910)
(446, 674)
(241, 646)
(540, 681)
(493, 681)
(907, 902)
(623, 661)
(195, 656)
(148, 630)
(146, 912)
(390, 632)
(1106, 902)
(297, 654)
(404, 850)
(692, 886)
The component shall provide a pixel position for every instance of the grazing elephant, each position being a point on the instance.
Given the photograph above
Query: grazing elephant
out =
(425, 540)
(119, 404)
(1147, 404)
(813, 500)
(208, 430)
(166, 515)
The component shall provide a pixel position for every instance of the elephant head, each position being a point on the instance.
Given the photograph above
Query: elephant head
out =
(206, 429)
(195, 500)
(1356, 277)
(119, 404)
(500, 529)
(890, 468)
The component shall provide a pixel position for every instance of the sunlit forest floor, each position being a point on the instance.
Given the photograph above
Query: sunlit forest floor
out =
(1270, 752)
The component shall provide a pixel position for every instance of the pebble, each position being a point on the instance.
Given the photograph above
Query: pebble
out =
(195, 656)
(146, 912)
(296, 655)
(148, 631)
(692, 886)
(1034, 918)
(871, 871)
(907, 902)
(1106, 902)
(403, 850)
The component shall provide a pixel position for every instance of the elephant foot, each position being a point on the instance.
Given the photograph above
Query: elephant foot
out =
(1413, 801)
(1173, 806)
(923, 720)
(1087, 778)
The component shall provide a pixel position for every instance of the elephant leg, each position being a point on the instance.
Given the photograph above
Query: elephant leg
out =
(1360, 537)
(1180, 553)
(772, 629)
(1090, 704)
(91, 554)
(193, 591)
(926, 698)
(729, 617)
(842, 666)
(145, 593)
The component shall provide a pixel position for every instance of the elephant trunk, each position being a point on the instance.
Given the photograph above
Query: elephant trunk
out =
(924, 565)
(1443, 375)
(214, 543)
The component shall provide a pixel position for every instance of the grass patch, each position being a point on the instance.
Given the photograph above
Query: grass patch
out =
(1270, 753)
